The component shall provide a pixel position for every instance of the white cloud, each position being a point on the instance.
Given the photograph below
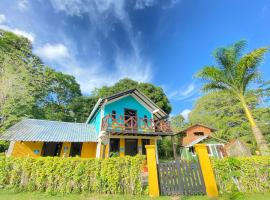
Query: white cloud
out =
(171, 4)
(188, 90)
(52, 52)
(184, 93)
(22, 5)
(142, 4)
(17, 31)
(2, 18)
(125, 62)
(30, 36)
(185, 114)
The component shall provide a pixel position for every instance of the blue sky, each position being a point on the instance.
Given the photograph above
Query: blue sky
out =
(164, 42)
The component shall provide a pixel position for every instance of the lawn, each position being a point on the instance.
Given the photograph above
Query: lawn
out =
(10, 195)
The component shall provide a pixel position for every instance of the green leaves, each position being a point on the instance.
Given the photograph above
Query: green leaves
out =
(233, 73)
(73, 175)
(251, 173)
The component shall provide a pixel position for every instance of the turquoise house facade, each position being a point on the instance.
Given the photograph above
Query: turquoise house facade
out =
(127, 122)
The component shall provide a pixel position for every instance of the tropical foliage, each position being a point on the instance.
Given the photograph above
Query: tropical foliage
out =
(73, 175)
(233, 74)
(30, 89)
(225, 113)
(250, 174)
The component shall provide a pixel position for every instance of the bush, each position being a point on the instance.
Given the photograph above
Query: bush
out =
(246, 174)
(4, 146)
(69, 175)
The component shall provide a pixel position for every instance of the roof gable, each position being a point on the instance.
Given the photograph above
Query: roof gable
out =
(138, 95)
(197, 125)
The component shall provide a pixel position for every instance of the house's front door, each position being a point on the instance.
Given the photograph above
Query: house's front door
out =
(131, 147)
(130, 119)
(75, 149)
(51, 148)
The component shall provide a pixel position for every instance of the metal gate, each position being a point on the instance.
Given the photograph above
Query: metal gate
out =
(181, 177)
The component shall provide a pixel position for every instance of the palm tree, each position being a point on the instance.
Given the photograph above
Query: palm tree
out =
(233, 74)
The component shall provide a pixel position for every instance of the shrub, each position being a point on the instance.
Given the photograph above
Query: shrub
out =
(69, 175)
(246, 174)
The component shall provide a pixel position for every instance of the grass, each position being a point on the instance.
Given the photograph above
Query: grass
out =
(11, 195)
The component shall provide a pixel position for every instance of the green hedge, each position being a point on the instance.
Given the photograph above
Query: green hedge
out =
(246, 174)
(68, 175)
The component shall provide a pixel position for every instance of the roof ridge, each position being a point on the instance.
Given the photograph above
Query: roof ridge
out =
(54, 121)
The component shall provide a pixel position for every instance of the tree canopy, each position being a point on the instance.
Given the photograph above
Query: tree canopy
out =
(156, 94)
(233, 74)
(30, 89)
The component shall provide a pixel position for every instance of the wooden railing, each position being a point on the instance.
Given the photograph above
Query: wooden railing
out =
(131, 123)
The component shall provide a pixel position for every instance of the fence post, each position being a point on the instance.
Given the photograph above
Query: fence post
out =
(207, 171)
(152, 170)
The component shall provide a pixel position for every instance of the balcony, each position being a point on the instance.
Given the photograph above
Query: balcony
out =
(122, 124)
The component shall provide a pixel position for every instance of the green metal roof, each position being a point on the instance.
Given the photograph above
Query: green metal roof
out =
(50, 131)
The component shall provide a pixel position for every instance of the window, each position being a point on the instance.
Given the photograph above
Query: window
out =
(199, 133)
(145, 119)
(209, 150)
(192, 151)
(114, 114)
(51, 148)
(114, 146)
(144, 142)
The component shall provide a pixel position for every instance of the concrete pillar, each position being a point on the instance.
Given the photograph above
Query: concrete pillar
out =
(207, 170)
(152, 170)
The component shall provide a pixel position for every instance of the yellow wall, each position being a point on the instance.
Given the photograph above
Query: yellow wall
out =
(152, 142)
(89, 150)
(24, 149)
(65, 149)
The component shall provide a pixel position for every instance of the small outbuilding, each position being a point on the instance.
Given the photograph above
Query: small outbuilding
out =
(199, 133)
(237, 148)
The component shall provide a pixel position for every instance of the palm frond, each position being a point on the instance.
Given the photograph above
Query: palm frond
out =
(239, 47)
(248, 65)
(249, 78)
(213, 86)
(210, 73)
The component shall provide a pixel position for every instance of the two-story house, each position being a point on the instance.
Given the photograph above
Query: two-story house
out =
(128, 120)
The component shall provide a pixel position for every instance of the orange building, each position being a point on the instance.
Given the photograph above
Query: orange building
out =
(199, 133)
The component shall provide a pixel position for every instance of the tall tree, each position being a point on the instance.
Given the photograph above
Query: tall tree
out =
(30, 89)
(177, 123)
(61, 90)
(225, 113)
(233, 74)
(21, 78)
(156, 94)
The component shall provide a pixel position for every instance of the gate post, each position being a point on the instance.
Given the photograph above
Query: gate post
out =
(152, 170)
(207, 171)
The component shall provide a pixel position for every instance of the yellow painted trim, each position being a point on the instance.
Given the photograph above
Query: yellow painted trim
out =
(27, 149)
(106, 150)
(152, 170)
(65, 149)
(122, 147)
(207, 171)
(152, 142)
(139, 145)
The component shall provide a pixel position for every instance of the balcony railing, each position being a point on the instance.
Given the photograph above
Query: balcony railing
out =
(120, 123)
